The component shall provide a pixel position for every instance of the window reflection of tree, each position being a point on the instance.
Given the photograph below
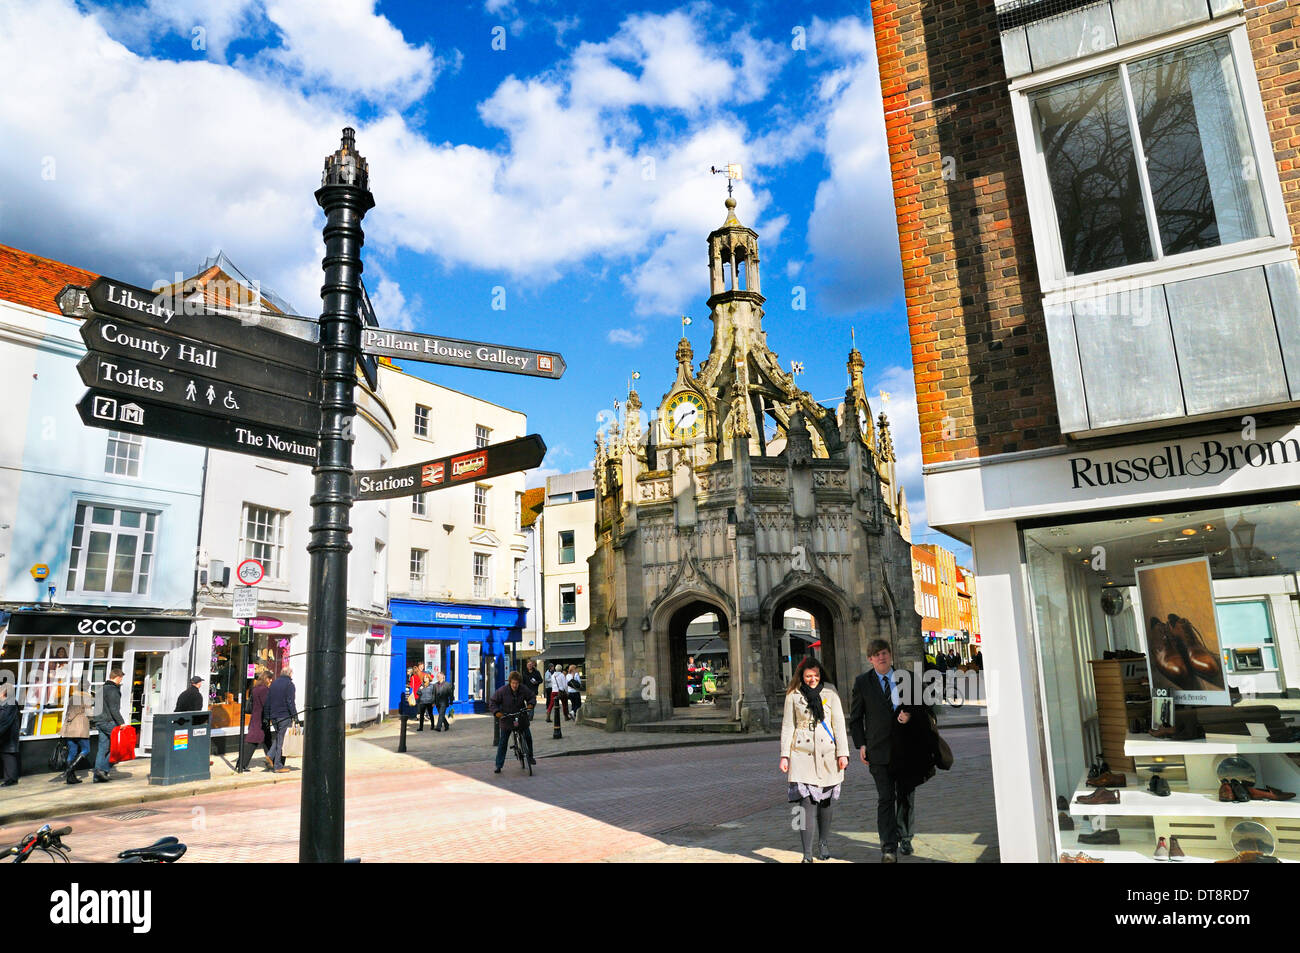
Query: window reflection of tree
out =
(1167, 123)
(1093, 173)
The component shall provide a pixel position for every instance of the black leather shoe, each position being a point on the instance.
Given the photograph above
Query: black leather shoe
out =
(496, 770)
(905, 848)
(8, 783)
(1061, 803)
(1159, 786)
(824, 850)
(1065, 822)
(101, 776)
(1100, 837)
(1239, 791)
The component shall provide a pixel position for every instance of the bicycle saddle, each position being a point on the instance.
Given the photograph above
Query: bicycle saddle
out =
(165, 850)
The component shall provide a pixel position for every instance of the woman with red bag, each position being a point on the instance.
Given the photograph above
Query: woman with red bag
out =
(107, 719)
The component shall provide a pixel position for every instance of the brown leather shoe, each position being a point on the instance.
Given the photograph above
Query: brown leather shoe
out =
(1162, 732)
(1202, 661)
(1099, 796)
(1166, 654)
(1268, 794)
(1111, 779)
(1245, 857)
(1225, 791)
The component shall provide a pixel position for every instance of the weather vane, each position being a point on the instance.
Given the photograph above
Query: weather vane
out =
(636, 376)
(884, 396)
(796, 368)
(685, 323)
(731, 170)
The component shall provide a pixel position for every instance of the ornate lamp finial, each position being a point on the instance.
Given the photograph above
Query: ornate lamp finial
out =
(346, 166)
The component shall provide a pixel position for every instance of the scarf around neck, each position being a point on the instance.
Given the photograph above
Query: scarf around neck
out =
(813, 696)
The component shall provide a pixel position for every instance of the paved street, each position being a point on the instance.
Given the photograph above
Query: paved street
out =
(700, 803)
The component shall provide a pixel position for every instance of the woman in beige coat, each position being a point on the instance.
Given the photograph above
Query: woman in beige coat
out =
(76, 730)
(814, 751)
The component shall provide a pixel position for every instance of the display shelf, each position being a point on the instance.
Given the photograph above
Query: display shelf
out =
(1137, 847)
(1139, 802)
(1145, 744)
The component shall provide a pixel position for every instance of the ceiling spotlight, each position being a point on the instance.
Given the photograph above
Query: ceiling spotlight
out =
(1208, 527)
(1155, 519)
(1189, 532)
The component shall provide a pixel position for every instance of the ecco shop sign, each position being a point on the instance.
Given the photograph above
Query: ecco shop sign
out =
(1207, 458)
(65, 623)
(106, 627)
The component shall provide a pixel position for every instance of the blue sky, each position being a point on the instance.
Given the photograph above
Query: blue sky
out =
(560, 152)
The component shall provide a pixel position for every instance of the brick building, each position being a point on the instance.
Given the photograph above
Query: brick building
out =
(1097, 205)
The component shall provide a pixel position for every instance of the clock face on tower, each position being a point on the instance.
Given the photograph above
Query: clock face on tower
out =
(864, 421)
(685, 414)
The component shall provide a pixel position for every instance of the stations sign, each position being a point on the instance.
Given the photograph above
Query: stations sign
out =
(111, 411)
(476, 354)
(495, 459)
(192, 392)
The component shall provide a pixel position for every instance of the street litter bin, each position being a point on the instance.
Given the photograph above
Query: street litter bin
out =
(180, 747)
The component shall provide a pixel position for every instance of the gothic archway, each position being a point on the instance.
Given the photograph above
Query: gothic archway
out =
(829, 627)
(682, 646)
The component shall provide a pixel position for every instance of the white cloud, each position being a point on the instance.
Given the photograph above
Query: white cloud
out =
(626, 336)
(851, 233)
(904, 427)
(348, 47)
(160, 163)
(390, 305)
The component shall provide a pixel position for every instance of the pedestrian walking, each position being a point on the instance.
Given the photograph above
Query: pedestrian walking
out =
(11, 723)
(191, 699)
(533, 680)
(258, 726)
(575, 692)
(547, 679)
(443, 696)
(559, 692)
(76, 730)
(814, 752)
(897, 742)
(107, 717)
(283, 712)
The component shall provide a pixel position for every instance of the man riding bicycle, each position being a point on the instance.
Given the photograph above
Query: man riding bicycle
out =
(512, 702)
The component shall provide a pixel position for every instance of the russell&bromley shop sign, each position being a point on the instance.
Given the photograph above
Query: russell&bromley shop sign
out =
(1206, 458)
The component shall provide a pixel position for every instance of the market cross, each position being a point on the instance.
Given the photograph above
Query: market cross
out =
(432, 349)
(495, 459)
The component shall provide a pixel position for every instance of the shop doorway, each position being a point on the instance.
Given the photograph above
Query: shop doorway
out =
(147, 695)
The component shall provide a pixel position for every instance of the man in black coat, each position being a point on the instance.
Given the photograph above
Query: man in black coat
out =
(191, 699)
(107, 717)
(443, 696)
(10, 728)
(878, 722)
(282, 712)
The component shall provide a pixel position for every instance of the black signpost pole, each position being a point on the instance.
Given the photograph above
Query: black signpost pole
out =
(345, 196)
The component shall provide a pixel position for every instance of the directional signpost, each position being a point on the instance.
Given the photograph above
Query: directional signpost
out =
(493, 460)
(162, 366)
(476, 354)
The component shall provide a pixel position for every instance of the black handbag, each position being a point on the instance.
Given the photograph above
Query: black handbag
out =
(59, 755)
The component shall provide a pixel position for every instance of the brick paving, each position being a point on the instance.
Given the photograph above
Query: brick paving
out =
(698, 803)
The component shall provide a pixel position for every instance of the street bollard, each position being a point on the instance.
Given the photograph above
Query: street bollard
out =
(401, 741)
(557, 709)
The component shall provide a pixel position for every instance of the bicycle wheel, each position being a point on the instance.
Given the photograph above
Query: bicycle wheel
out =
(528, 755)
(519, 749)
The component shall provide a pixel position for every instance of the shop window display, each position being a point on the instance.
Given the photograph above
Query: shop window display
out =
(1170, 651)
(46, 668)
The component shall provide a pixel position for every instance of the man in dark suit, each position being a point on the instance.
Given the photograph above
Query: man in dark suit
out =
(875, 722)
(107, 717)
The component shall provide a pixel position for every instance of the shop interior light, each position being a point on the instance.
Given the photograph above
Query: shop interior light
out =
(1155, 519)
(1189, 532)
(1208, 527)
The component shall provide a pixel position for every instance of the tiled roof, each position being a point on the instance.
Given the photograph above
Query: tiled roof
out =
(33, 281)
(531, 507)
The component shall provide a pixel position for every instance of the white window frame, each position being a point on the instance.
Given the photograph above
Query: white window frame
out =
(420, 505)
(116, 530)
(481, 506)
(1058, 287)
(573, 588)
(559, 548)
(415, 421)
(130, 439)
(482, 436)
(277, 575)
(419, 578)
(483, 591)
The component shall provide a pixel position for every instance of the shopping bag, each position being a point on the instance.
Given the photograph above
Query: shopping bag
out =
(293, 742)
(122, 744)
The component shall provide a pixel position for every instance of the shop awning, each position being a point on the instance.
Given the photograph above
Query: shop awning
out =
(564, 650)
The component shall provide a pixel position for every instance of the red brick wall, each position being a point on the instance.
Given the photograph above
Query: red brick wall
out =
(979, 348)
(1274, 30)
(979, 345)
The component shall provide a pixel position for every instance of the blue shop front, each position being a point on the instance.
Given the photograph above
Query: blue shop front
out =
(472, 645)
